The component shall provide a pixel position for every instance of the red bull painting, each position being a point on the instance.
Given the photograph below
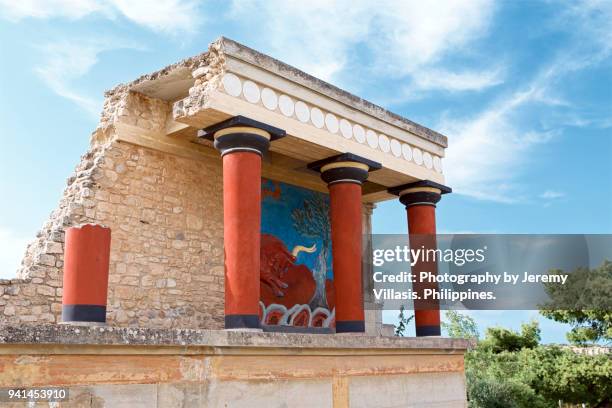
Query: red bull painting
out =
(296, 259)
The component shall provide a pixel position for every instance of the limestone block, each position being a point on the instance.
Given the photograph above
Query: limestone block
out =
(422, 390)
(45, 259)
(239, 394)
(54, 248)
(9, 310)
(45, 290)
(126, 396)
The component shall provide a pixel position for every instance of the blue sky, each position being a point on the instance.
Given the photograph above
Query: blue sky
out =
(522, 89)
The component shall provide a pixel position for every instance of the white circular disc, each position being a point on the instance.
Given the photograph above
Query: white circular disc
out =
(437, 163)
(317, 118)
(250, 90)
(417, 155)
(331, 122)
(396, 148)
(286, 105)
(269, 98)
(359, 133)
(302, 112)
(427, 160)
(406, 152)
(232, 84)
(346, 129)
(383, 142)
(372, 139)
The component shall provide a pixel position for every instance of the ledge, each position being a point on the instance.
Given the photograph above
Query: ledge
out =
(249, 55)
(63, 335)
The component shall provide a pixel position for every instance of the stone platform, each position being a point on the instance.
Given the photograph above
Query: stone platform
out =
(137, 367)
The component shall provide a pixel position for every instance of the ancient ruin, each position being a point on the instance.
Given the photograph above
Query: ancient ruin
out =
(238, 192)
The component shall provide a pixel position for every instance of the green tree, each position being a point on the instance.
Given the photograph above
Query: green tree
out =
(460, 326)
(510, 369)
(402, 324)
(560, 374)
(499, 339)
(585, 302)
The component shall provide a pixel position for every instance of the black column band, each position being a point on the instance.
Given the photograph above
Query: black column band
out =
(420, 194)
(84, 313)
(350, 168)
(422, 331)
(350, 326)
(345, 174)
(420, 198)
(241, 321)
(242, 142)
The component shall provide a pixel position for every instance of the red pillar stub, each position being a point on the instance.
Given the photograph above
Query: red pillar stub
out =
(86, 263)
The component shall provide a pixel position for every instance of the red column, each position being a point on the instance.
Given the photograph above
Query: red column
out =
(346, 235)
(420, 199)
(241, 238)
(344, 175)
(242, 143)
(86, 260)
(422, 233)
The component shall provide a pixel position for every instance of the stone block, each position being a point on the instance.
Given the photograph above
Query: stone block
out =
(9, 310)
(46, 259)
(54, 248)
(422, 390)
(45, 290)
(125, 396)
(279, 393)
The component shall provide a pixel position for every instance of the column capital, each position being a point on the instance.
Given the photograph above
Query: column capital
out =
(344, 168)
(241, 134)
(423, 192)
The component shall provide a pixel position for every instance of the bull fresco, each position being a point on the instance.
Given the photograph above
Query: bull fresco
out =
(296, 258)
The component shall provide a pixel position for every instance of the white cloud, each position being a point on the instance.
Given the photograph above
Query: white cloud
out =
(167, 16)
(552, 195)
(316, 36)
(404, 38)
(440, 79)
(64, 62)
(71, 9)
(487, 152)
(12, 249)
(415, 34)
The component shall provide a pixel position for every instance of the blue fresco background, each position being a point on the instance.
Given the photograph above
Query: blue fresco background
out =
(278, 203)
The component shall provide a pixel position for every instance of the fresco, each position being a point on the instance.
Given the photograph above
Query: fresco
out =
(296, 258)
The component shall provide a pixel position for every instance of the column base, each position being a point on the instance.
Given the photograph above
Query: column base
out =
(242, 321)
(423, 331)
(248, 330)
(350, 326)
(79, 314)
(83, 324)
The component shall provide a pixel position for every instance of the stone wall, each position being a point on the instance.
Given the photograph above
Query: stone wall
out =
(166, 216)
(165, 213)
(136, 367)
